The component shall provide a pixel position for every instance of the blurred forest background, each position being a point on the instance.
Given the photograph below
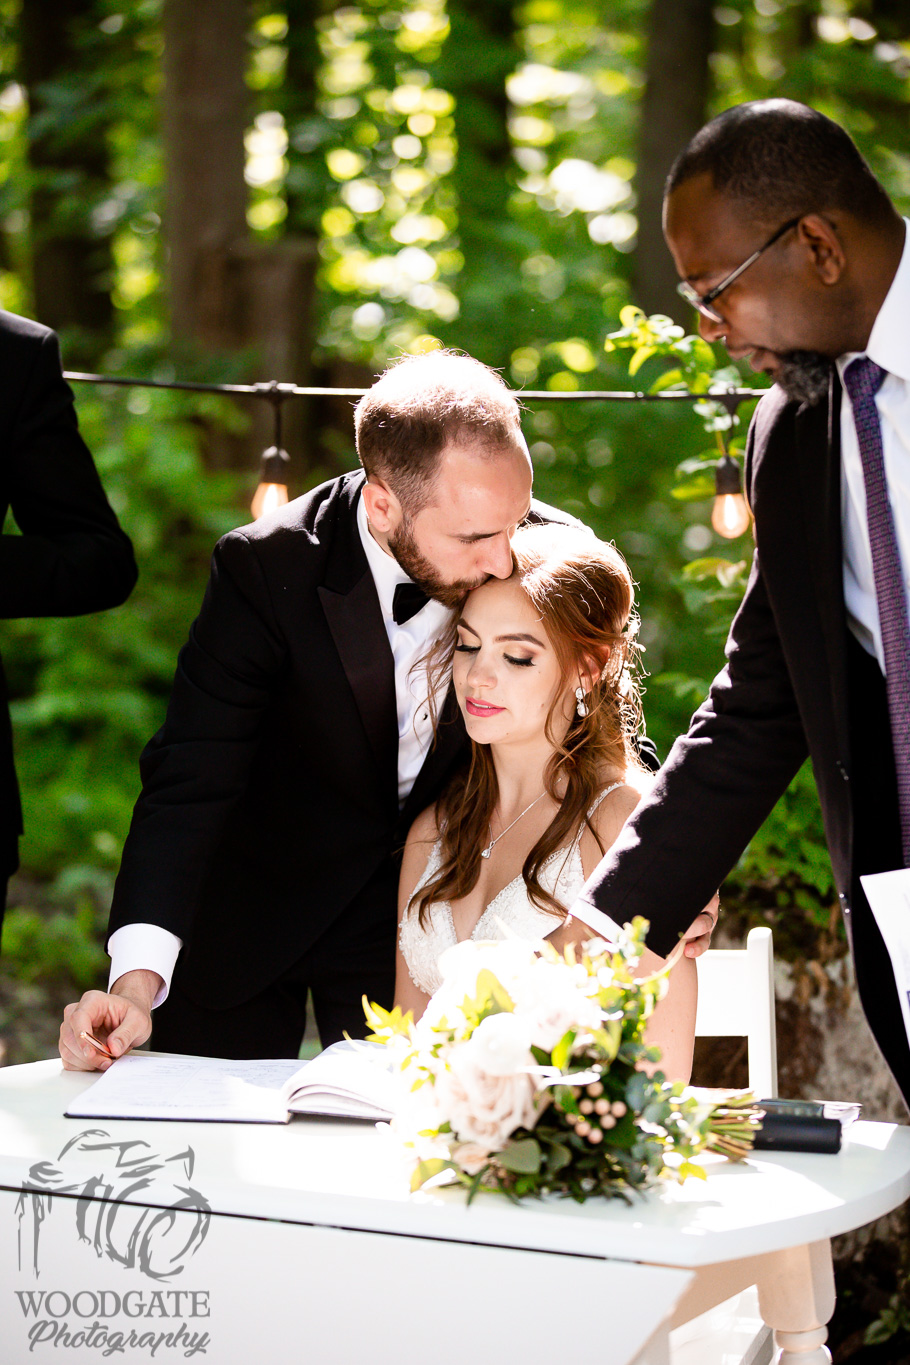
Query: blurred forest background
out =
(227, 191)
(223, 190)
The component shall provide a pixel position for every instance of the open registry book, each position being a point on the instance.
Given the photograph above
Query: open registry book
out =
(347, 1080)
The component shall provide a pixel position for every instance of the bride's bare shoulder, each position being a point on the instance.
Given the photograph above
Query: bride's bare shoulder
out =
(420, 841)
(424, 829)
(613, 812)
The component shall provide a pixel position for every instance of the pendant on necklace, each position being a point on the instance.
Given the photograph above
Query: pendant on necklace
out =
(485, 852)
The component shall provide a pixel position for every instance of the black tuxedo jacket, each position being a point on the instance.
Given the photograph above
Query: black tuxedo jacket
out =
(270, 796)
(72, 556)
(783, 693)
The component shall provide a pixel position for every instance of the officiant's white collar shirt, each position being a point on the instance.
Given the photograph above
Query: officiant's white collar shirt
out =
(889, 347)
(409, 642)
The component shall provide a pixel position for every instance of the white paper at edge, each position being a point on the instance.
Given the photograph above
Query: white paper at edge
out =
(888, 894)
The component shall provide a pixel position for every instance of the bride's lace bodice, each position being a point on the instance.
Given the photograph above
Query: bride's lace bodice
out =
(511, 912)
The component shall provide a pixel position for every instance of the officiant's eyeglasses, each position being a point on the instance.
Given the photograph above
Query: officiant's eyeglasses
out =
(703, 301)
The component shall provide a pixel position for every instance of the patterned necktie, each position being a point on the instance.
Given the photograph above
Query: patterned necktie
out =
(862, 380)
(407, 602)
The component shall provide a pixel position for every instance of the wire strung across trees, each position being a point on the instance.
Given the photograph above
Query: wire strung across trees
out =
(274, 392)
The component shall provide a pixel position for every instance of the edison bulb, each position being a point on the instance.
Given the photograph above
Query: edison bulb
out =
(730, 515)
(267, 498)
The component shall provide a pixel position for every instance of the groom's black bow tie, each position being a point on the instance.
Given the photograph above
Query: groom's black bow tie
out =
(407, 602)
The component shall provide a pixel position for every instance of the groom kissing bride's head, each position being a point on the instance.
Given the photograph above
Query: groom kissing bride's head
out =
(448, 471)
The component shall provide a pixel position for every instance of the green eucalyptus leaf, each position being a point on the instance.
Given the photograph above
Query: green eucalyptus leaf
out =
(558, 1157)
(522, 1157)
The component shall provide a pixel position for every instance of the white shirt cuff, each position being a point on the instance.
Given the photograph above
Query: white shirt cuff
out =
(602, 925)
(148, 947)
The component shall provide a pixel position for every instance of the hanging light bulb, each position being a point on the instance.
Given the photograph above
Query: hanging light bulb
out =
(273, 476)
(730, 515)
(273, 482)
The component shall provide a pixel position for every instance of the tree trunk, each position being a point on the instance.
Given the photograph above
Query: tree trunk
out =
(204, 120)
(228, 292)
(308, 189)
(67, 150)
(677, 83)
(480, 54)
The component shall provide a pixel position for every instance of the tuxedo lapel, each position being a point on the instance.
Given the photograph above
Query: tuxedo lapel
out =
(351, 608)
(818, 450)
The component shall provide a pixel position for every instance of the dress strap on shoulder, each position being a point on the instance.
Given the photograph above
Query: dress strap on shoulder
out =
(593, 807)
(433, 864)
(614, 786)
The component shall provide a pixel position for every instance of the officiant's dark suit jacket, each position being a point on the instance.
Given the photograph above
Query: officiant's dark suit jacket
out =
(269, 809)
(71, 556)
(795, 683)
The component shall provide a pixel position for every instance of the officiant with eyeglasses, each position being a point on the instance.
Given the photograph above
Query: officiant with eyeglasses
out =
(796, 259)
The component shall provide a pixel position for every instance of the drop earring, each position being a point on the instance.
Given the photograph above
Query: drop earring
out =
(581, 705)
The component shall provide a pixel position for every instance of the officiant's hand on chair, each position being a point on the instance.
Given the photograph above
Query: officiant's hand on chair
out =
(121, 1019)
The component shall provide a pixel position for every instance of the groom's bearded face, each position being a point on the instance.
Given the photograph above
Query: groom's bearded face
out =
(404, 547)
(461, 535)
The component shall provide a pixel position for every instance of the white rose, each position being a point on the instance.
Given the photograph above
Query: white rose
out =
(483, 1108)
(552, 1000)
(500, 1044)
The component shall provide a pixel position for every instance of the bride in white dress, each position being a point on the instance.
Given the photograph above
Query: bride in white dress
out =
(542, 666)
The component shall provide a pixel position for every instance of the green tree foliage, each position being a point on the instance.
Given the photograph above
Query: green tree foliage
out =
(467, 173)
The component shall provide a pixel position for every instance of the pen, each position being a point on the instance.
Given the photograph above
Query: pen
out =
(102, 1047)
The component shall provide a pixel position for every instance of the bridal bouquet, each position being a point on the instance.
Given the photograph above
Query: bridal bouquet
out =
(525, 1078)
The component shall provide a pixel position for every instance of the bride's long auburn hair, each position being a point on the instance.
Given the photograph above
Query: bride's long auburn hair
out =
(584, 594)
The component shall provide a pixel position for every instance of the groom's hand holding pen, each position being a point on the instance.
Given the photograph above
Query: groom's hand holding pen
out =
(117, 1020)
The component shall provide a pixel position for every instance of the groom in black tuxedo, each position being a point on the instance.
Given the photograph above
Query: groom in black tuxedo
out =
(298, 745)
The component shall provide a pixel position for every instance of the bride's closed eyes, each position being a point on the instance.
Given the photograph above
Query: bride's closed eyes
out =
(462, 647)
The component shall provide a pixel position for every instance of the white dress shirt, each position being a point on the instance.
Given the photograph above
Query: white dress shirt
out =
(889, 347)
(409, 643)
(136, 946)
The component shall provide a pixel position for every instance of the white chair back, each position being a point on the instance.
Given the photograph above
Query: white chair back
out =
(736, 999)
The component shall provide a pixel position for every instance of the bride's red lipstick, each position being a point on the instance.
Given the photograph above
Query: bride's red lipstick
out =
(481, 708)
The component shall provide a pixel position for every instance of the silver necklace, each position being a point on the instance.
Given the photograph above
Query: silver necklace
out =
(485, 852)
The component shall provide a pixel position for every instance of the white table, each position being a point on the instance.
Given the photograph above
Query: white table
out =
(316, 1251)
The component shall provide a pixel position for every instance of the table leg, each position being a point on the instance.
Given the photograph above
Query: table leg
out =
(796, 1299)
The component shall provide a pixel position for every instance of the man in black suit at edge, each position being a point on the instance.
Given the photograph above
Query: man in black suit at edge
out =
(71, 557)
(298, 747)
(796, 259)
